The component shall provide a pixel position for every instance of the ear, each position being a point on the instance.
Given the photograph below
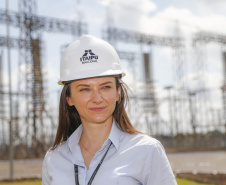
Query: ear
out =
(118, 93)
(69, 102)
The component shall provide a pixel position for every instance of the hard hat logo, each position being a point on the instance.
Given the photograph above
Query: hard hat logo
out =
(89, 57)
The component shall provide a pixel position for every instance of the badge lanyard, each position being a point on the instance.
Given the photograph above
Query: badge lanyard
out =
(94, 173)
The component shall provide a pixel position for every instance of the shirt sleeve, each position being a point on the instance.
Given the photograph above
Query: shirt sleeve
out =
(45, 176)
(157, 169)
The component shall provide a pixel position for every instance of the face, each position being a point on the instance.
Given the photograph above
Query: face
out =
(94, 98)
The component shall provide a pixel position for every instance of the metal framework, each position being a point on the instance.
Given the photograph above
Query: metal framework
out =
(130, 56)
(224, 90)
(2, 108)
(127, 36)
(203, 38)
(13, 43)
(43, 23)
(30, 47)
(207, 37)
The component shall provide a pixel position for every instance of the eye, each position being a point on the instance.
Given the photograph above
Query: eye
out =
(107, 87)
(84, 90)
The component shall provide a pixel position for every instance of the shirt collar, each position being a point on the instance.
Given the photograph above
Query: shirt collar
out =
(114, 137)
(73, 140)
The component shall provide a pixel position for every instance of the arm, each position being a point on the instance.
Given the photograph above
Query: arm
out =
(157, 169)
(45, 176)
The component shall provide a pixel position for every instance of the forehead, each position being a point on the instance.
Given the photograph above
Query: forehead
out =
(94, 81)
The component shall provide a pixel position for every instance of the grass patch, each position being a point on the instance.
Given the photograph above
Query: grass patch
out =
(32, 182)
(180, 181)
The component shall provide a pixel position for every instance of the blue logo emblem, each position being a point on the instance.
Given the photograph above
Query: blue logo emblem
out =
(89, 57)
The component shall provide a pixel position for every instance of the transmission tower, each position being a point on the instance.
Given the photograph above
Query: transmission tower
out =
(127, 36)
(224, 89)
(2, 108)
(31, 87)
(30, 55)
(201, 39)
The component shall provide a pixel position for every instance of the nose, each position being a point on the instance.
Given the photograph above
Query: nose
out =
(97, 97)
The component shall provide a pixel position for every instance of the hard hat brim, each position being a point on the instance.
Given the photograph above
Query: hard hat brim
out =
(91, 75)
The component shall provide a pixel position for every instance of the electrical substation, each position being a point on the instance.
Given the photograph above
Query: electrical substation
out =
(29, 125)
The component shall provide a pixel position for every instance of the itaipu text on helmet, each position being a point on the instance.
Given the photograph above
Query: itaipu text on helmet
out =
(89, 59)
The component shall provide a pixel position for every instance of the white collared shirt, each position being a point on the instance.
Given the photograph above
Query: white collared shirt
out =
(131, 160)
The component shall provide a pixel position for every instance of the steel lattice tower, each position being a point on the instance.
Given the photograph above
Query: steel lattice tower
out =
(30, 55)
(30, 110)
(224, 90)
(2, 108)
(176, 43)
(203, 38)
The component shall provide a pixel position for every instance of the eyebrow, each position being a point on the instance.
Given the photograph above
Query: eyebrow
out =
(82, 85)
(89, 85)
(106, 83)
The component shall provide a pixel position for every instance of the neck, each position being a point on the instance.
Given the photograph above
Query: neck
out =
(94, 135)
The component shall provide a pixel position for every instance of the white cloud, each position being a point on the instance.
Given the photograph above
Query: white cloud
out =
(128, 13)
(164, 22)
(210, 7)
(140, 6)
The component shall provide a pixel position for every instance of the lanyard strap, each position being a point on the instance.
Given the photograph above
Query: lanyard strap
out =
(94, 173)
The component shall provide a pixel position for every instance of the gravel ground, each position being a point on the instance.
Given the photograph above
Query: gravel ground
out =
(199, 162)
(194, 162)
(29, 168)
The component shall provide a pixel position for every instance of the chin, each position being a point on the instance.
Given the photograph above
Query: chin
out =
(100, 119)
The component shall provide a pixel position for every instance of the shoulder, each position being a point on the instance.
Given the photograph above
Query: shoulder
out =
(56, 152)
(141, 142)
(57, 161)
(56, 157)
(143, 148)
(141, 139)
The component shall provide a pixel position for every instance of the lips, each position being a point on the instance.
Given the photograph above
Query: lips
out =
(97, 109)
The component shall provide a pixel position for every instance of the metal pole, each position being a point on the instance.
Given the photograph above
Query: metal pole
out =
(170, 110)
(10, 95)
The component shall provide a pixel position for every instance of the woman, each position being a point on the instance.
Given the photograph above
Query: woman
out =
(95, 141)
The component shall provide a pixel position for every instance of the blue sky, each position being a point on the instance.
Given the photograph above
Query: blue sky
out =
(146, 16)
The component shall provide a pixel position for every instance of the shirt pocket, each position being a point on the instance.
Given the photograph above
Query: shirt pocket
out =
(126, 180)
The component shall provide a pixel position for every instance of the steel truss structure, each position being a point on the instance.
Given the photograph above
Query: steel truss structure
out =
(14, 42)
(113, 34)
(31, 79)
(2, 104)
(42, 23)
(202, 38)
(207, 37)
(128, 36)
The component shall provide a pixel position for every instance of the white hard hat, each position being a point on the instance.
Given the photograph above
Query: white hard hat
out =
(89, 57)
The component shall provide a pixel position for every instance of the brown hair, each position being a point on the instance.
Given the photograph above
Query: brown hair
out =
(69, 119)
